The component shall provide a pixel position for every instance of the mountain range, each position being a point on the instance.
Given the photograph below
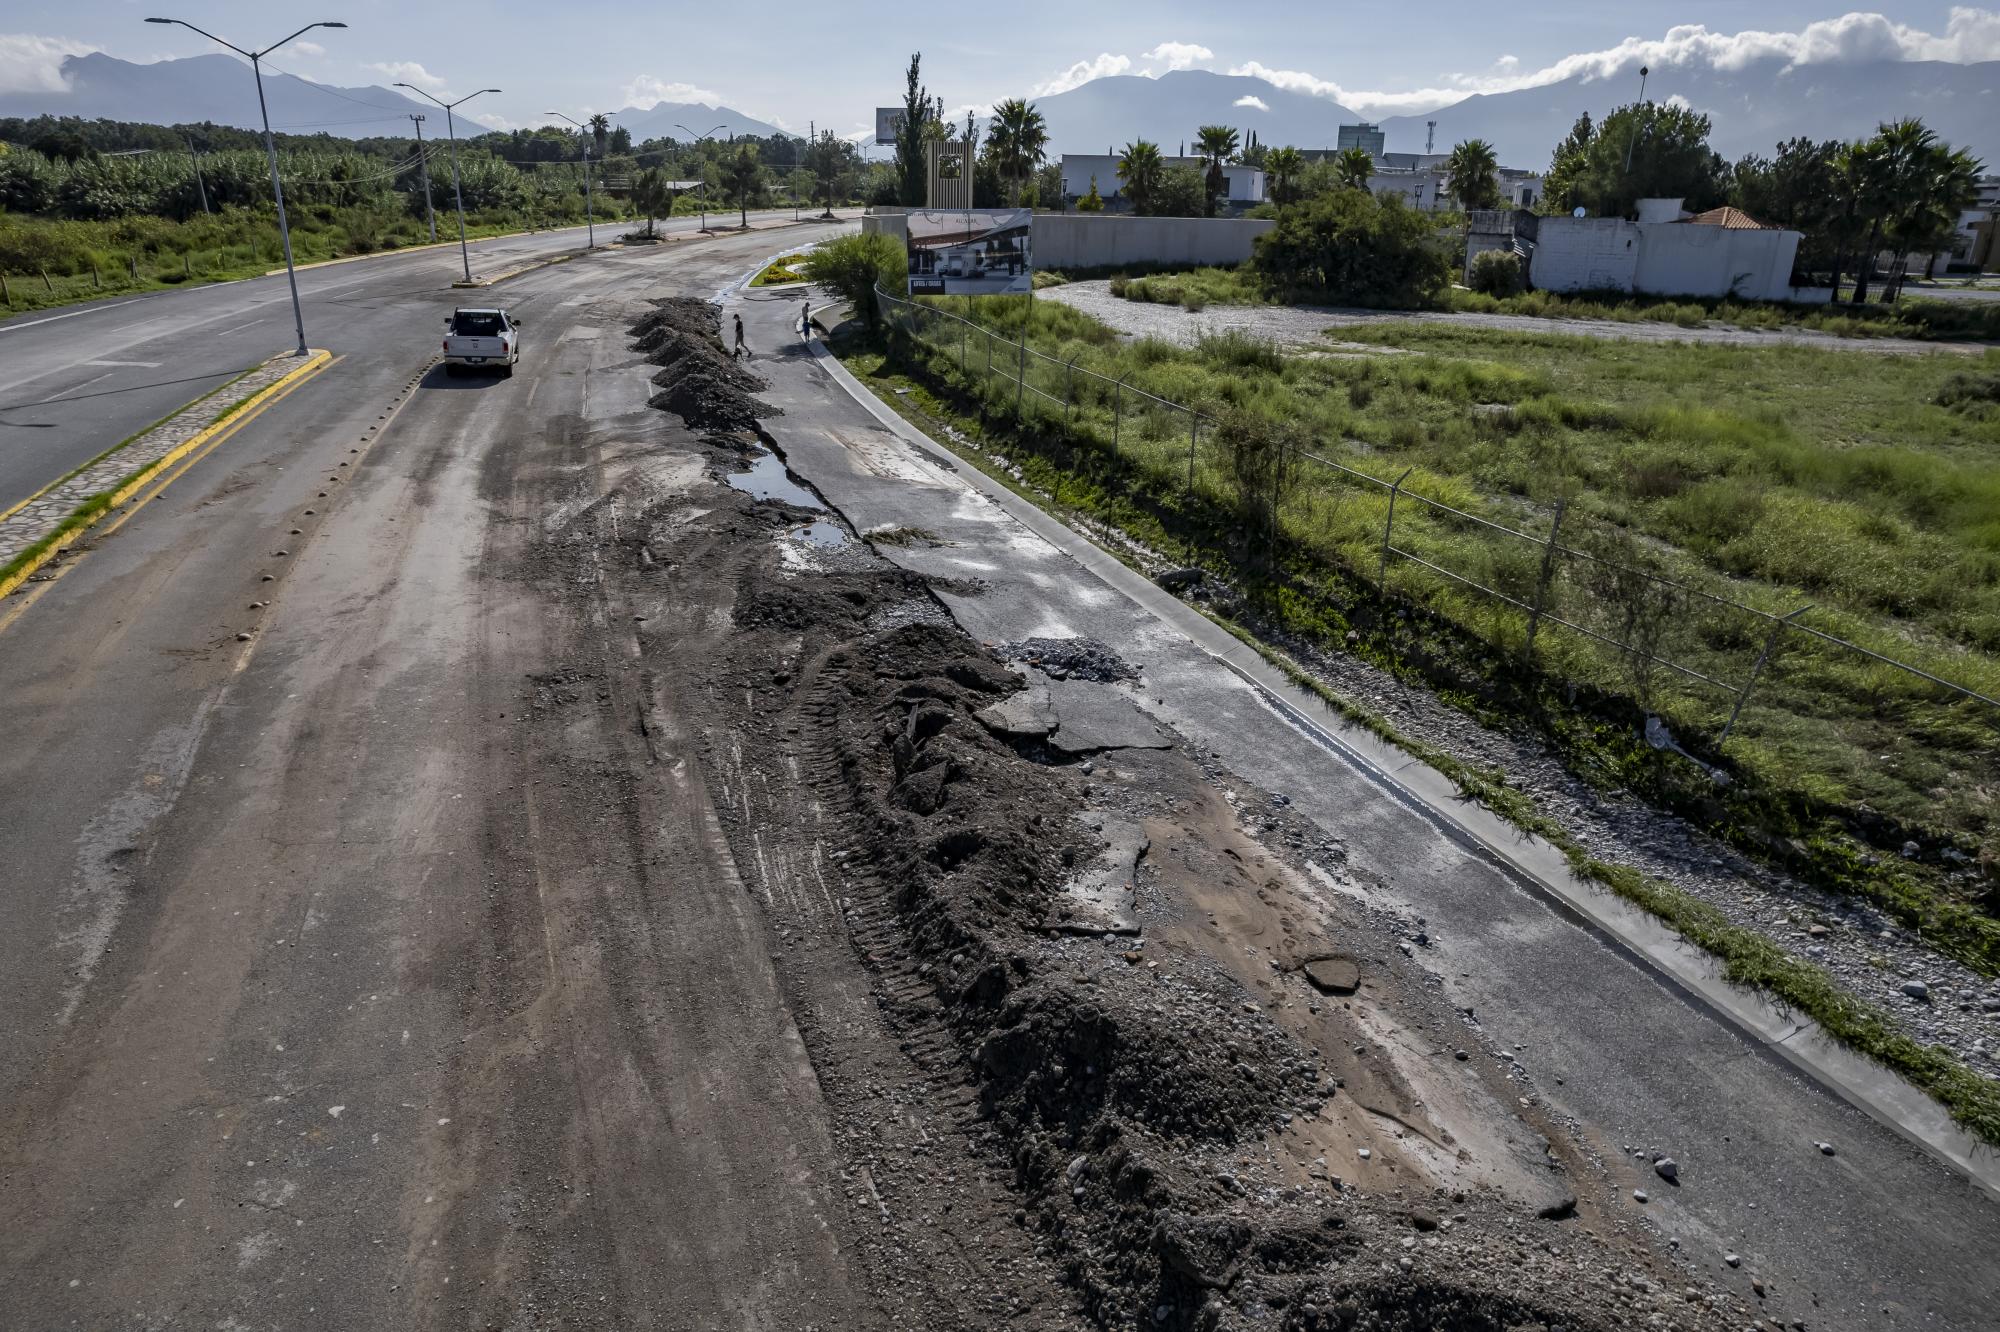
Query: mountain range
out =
(1752, 108)
(219, 88)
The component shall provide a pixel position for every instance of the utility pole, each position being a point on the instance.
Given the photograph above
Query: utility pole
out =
(200, 189)
(457, 194)
(424, 169)
(699, 140)
(589, 217)
(256, 59)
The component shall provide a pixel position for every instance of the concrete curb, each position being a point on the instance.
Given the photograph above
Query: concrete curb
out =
(237, 412)
(1796, 1041)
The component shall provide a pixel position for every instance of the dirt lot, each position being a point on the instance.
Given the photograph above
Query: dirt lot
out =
(1069, 1027)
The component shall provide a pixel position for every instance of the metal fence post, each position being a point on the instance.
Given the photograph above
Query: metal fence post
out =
(1117, 409)
(1069, 388)
(1770, 644)
(1021, 381)
(1542, 583)
(961, 347)
(1388, 528)
(1194, 433)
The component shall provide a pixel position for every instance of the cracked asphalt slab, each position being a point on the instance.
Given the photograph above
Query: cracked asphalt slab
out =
(1879, 1236)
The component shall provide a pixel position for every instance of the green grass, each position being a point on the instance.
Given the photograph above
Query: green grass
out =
(779, 271)
(1912, 317)
(1050, 476)
(1776, 475)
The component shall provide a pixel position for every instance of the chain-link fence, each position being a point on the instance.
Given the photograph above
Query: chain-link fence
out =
(1623, 616)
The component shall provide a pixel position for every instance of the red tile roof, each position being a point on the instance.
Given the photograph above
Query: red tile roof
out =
(1735, 219)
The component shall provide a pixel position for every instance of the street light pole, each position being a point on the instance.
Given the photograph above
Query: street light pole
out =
(700, 139)
(199, 188)
(424, 171)
(256, 59)
(457, 194)
(589, 216)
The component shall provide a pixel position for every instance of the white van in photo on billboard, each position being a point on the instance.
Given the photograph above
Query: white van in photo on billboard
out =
(971, 252)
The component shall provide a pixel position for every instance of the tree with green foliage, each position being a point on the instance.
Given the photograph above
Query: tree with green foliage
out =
(1646, 150)
(742, 179)
(919, 110)
(652, 196)
(1352, 248)
(1182, 193)
(1801, 189)
(600, 132)
(1283, 168)
(1353, 167)
(1472, 175)
(1141, 167)
(851, 267)
(1092, 202)
(1214, 144)
(1017, 141)
(1910, 187)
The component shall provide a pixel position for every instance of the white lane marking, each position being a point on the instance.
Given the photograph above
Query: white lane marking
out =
(12, 325)
(150, 365)
(223, 333)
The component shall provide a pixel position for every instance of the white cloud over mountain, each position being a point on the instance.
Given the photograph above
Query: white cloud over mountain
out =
(32, 64)
(646, 92)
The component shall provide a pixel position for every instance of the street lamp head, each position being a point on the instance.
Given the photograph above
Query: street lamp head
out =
(152, 20)
(331, 23)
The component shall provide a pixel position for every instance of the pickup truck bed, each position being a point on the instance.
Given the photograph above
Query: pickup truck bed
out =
(481, 338)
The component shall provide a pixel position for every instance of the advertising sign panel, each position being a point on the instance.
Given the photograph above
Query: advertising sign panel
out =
(888, 119)
(971, 252)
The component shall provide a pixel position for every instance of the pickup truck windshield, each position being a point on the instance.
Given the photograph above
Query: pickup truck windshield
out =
(476, 324)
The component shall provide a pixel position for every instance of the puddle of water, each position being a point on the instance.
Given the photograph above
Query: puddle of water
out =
(824, 535)
(766, 478)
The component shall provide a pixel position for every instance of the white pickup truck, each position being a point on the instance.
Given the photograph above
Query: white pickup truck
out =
(481, 337)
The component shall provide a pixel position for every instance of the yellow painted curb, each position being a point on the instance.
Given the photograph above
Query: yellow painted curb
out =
(313, 365)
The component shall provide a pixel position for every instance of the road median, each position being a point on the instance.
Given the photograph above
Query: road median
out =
(42, 527)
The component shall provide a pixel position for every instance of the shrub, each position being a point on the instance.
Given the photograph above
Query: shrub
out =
(851, 266)
(1965, 392)
(1495, 273)
(1351, 248)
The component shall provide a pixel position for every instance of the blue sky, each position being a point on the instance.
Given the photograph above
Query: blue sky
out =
(792, 63)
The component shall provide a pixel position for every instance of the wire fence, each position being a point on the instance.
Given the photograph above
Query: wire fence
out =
(1629, 622)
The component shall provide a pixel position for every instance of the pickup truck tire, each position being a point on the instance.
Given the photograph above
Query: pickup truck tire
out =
(507, 371)
(451, 369)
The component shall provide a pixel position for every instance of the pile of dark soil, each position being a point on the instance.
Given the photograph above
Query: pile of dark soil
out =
(1070, 658)
(1117, 1099)
(698, 380)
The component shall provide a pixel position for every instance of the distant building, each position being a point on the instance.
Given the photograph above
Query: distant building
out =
(1364, 136)
(1723, 252)
(1246, 183)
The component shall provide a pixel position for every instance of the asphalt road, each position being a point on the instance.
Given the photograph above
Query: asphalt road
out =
(303, 982)
(75, 381)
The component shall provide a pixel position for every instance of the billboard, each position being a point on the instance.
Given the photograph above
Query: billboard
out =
(970, 252)
(888, 120)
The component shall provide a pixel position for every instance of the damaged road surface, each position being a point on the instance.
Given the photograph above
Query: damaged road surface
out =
(615, 892)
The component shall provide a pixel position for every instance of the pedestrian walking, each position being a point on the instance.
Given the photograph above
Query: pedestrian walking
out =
(742, 348)
(806, 321)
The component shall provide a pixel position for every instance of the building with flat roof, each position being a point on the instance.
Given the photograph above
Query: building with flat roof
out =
(1364, 135)
(1246, 183)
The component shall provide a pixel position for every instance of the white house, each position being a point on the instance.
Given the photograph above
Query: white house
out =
(1246, 183)
(1723, 252)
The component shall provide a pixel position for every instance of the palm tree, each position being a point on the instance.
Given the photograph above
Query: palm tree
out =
(1472, 174)
(600, 129)
(1215, 144)
(1017, 139)
(1354, 166)
(1284, 166)
(1140, 167)
(1944, 182)
(742, 174)
(1890, 169)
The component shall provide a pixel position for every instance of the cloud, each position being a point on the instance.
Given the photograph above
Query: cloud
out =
(1082, 72)
(313, 49)
(32, 64)
(494, 121)
(1256, 103)
(407, 71)
(1180, 55)
(646, 92)
(1970, 35)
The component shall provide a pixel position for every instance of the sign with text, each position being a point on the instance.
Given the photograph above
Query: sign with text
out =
(970, 252)
(888, 122)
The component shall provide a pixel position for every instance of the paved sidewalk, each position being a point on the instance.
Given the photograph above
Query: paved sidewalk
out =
(44, 512)
(1310, 325)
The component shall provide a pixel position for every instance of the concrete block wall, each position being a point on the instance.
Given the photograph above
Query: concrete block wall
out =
(1585, 254)
(1087, 240)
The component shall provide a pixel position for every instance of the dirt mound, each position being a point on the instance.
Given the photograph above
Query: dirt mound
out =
(699, 381)
(1122, 1100)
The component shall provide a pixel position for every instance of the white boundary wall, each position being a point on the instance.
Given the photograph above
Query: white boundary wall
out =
(1096, 240)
